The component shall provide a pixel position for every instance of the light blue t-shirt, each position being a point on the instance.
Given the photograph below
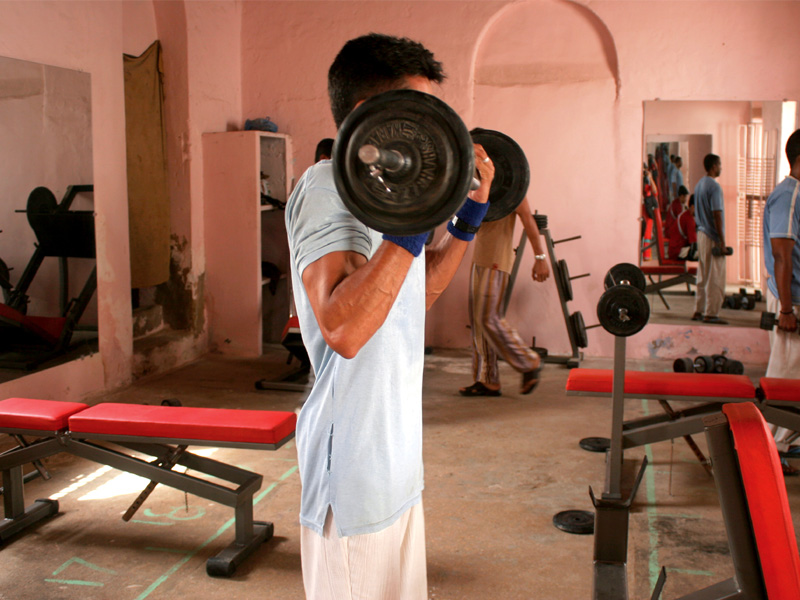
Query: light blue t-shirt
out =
(359, 433)
(677, 180)
(782, 220)
(707, 199)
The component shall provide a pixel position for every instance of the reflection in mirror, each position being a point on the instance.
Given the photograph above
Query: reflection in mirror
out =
(748, 136)
(48, 310)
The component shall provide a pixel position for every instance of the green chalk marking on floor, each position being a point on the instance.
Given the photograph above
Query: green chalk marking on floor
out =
(79, 561)
(76, 582)
(150, 522)
(652, 513)
(153, 586)
(691, 572)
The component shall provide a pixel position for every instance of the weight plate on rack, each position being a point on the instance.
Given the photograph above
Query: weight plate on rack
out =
(435, 178)
(511, 172)
(562, 272)
(40, 201)
(623, 310)
(683, 365)
(625, 272)
(579, 329)
(541, 221)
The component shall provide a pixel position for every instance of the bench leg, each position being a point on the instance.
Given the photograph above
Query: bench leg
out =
(17, 517)
(249, 536)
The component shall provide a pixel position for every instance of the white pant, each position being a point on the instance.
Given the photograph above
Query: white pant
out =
(784, 360)
(710, 278)
(386, 565)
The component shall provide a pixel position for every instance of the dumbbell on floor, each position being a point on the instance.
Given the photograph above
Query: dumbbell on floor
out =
(716, 363)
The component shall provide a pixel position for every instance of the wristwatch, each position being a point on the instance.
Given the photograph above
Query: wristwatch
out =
(540, 256)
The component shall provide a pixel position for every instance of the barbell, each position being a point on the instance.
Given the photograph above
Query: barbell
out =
(623, 309)
(403, 163)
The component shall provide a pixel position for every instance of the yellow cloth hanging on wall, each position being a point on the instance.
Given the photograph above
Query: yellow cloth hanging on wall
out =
(148, 192)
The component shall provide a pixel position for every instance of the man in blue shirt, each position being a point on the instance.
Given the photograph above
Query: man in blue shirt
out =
(781, 245)
(676, 178)
(709, 207)
(361, 299)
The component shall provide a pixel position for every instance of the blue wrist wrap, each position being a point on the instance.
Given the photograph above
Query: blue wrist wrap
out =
(413, 243)
(471, 216)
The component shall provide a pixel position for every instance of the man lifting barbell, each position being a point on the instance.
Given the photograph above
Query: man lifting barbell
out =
(361, 299)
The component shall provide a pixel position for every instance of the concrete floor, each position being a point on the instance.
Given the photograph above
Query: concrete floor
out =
(497, 471)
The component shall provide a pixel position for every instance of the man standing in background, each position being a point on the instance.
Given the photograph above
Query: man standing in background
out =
(710, 217)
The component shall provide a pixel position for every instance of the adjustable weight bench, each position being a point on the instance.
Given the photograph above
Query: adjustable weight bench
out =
(755, 508)
(162, 432)
(710, 391)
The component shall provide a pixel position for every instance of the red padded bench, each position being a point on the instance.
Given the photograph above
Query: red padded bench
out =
(755, 507)
(679, 271)
(780, 401)
(163, 432)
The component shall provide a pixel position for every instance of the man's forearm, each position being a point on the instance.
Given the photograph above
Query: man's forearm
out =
(351, 297)
(532, 232)
(783, 281)
(719, 227)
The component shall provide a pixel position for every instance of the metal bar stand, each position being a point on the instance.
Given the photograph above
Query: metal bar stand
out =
(573, 359)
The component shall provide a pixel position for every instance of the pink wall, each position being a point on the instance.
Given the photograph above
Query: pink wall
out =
(576, 108)
(587, 184)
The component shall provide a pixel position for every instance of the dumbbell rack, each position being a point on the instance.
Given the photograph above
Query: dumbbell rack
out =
(576, 328)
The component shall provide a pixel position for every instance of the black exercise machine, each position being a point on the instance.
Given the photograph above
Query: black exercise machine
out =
(27, 341)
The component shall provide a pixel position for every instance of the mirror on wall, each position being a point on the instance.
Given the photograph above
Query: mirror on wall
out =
(48, 306)
(748, 136)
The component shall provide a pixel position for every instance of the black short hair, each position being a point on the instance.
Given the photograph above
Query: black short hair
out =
(376, 63)
(691, 200)
(682, 191)
(793, 148)
(709, 161)
(324, 148)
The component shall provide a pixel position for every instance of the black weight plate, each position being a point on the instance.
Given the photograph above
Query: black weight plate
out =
(171, 402)
(759, 296)
(719, 362)
(562, 272)
(40, 201)
(440, 165)
(595, 444)
(575, 521)
(5, 275)
(541, 221)
(623, 310)
(683, 365)
(625, 272)
(734, 367)
(512, 173)
(704, 364)
(579, 328)
(748, 302)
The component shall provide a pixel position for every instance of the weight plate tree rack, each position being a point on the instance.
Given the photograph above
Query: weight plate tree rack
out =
(576, 328)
